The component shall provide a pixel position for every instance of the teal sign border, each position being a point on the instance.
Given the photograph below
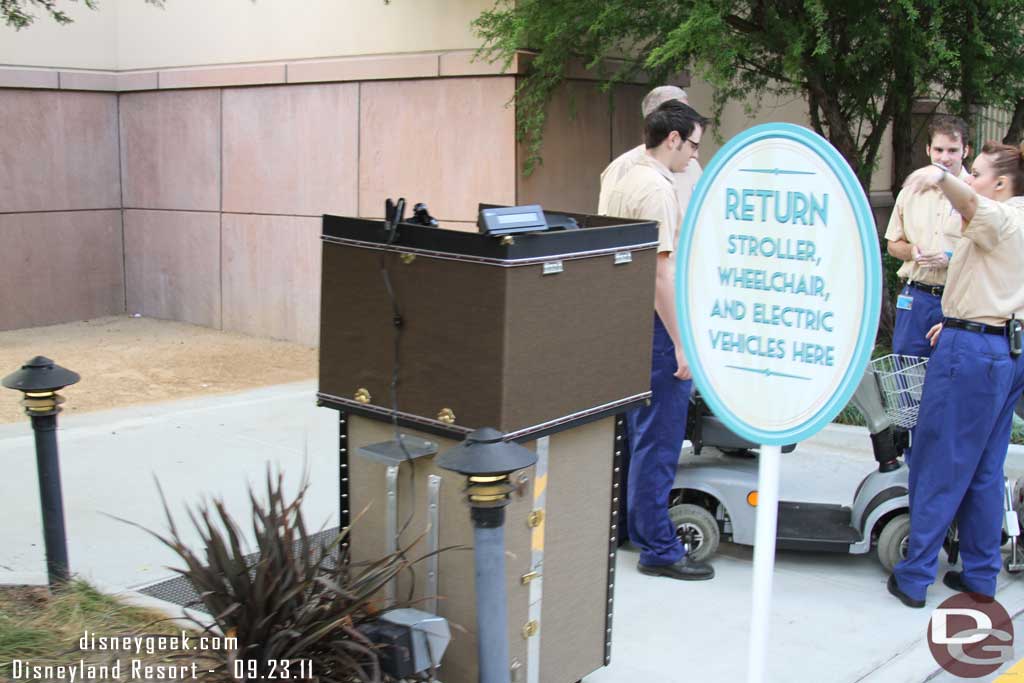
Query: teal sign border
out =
(872, 276)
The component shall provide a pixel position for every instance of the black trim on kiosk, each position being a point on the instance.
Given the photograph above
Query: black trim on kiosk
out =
(606, 233)
(618, 446)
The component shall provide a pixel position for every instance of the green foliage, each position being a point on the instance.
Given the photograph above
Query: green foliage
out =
(297, 600)
(859, 64)
(18, 15)
(850, 416)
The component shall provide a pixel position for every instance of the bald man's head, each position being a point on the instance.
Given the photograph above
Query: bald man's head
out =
(661, 95)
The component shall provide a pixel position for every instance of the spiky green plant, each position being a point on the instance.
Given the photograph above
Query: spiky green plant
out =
(298, 600)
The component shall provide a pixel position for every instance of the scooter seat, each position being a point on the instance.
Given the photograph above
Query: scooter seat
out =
(705, 429)
(717, 435)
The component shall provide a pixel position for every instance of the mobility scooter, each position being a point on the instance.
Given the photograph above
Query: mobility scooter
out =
(715, 495)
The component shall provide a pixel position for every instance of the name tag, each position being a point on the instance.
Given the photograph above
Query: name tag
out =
(904, 302)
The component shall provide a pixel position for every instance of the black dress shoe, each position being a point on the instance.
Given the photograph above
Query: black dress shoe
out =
(955, 580)
(894, 588)
(684, 570)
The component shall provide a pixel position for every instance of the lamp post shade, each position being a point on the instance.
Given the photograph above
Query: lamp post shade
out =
(484, 452)
(39, 375)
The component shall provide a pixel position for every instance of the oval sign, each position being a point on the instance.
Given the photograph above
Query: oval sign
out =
(778, 279)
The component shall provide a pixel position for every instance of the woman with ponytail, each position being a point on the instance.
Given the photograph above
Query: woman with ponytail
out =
(974, 379)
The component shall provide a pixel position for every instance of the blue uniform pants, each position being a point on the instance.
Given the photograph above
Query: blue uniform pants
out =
(960, 445)
(908, 336)
(656, 434)
(912, 325)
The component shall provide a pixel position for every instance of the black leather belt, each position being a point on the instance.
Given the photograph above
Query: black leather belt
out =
(970, 326)
(934, 290)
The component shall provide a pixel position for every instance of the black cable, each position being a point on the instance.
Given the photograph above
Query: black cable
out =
(391, 224)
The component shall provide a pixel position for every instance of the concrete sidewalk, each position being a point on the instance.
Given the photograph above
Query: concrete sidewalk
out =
(832, 619)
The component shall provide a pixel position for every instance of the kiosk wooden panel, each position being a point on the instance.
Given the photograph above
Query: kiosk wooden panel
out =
(496, 339)
(546, 337)
(577, 520)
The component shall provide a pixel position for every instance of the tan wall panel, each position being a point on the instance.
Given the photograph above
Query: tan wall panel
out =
(576, 150)
(170, 150)
(172, 264)
(59, 267)
(448, 142)
(271, 284)
(212, 77)
(291, 149)
(58, 151)
(628, 119)
(772, 109)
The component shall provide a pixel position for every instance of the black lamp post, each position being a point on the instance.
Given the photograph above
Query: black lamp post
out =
(486, 460)
(39, 380)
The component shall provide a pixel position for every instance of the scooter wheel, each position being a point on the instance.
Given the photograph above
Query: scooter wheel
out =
(696, 528)
(1016, 570)
(892, 542)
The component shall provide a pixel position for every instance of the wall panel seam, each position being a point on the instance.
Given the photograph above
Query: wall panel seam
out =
(220, 222)
(120, 190)
(97, 208)
(359, 145)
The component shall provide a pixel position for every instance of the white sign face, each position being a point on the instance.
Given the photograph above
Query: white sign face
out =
(778, 281)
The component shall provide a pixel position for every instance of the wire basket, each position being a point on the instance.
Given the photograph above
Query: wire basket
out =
(900, 379)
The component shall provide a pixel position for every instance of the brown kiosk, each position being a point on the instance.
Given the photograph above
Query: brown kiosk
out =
(544, 336)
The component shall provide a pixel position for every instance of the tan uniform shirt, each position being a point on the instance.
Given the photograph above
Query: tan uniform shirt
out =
(929, 222)
(684, 182)
(647, 191)
(986, 275)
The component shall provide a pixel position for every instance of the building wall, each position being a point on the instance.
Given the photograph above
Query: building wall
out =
(175, 162)
(224, 188)
(88, 43)
(735, 119)
(193, 32)
(132, 34)
(61, 242)
(207, 201)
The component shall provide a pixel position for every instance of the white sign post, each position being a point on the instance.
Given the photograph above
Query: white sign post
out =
(778, 280)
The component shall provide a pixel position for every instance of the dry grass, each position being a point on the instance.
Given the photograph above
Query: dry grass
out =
(126, 361)
(44, 630)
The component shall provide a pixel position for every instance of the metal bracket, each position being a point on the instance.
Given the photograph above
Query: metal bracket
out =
(391, 525)
(433, 536)
(516, 671)
(535, 578)
(344, 516)
(394, 453)
(619, 446)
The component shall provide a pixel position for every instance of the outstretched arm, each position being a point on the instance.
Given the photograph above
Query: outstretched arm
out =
(963, 198)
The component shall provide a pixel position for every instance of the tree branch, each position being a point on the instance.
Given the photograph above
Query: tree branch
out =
(1016, 124)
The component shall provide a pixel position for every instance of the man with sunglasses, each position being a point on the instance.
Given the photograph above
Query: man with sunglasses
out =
(647, 191)
(684, 180)
(684, 184)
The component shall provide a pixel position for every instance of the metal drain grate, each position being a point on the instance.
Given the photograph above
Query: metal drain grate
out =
(179, 591)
